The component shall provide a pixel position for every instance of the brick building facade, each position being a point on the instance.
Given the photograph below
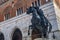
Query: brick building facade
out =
(20, 24)
(8, 8)
(57, 2)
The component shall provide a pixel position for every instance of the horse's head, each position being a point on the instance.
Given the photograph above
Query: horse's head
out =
(30, 10)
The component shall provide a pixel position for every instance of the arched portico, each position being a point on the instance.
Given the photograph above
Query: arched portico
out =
(1, 36)
(17, 35)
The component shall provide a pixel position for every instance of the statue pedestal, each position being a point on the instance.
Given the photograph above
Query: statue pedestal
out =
(40, 39)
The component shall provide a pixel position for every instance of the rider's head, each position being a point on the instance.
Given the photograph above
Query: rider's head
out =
(37, 8)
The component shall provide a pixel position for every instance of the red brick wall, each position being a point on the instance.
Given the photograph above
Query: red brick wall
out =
(44, 2)
(58, 3)
(24, 4)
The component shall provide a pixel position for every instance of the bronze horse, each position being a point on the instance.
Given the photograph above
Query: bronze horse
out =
(39, 21)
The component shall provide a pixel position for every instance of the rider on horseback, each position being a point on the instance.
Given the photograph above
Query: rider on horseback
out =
(39, 21)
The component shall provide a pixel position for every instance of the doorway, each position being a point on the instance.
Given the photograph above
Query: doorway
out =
(17, 35)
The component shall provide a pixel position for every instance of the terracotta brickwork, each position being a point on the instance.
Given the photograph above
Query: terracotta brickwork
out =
(57, 2)
(10, 7)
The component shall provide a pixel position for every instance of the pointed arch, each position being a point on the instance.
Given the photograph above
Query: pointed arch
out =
(7, 9)
(17, 35)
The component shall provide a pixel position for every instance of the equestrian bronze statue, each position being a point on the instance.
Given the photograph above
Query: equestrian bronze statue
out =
(39, 21)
